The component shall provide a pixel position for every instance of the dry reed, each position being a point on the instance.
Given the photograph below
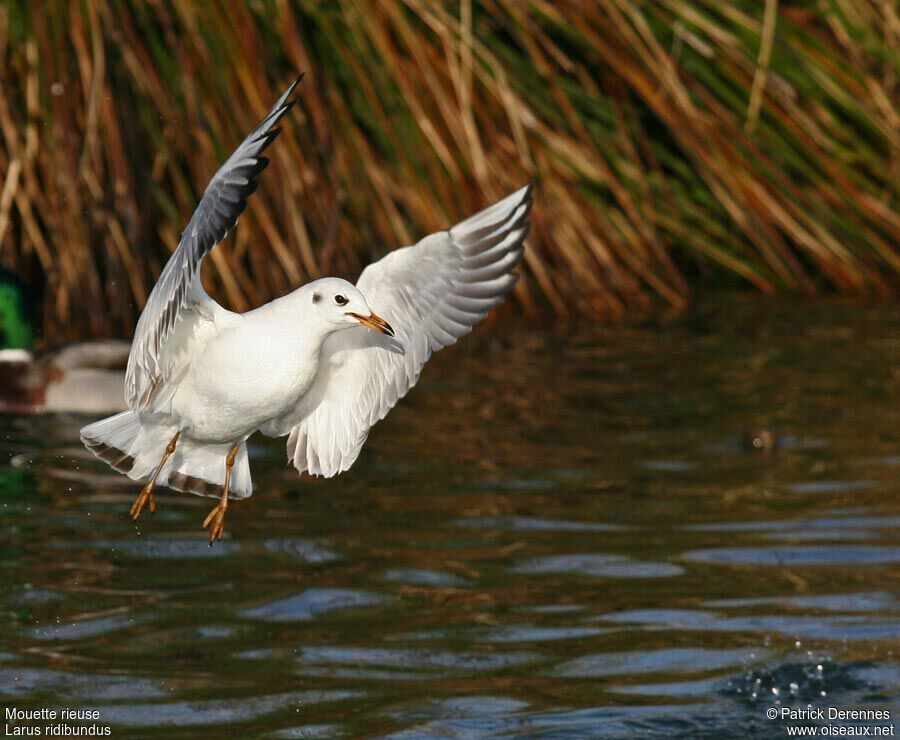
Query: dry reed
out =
(672, 141)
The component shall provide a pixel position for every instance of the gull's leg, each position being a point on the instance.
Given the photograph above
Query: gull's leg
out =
(145, 497)
(216, 518)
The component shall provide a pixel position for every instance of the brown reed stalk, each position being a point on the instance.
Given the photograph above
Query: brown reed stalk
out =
(672, 141)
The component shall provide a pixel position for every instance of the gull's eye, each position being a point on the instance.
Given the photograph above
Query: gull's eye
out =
(341, 300)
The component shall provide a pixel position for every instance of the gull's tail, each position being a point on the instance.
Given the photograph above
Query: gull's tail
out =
(134, 447)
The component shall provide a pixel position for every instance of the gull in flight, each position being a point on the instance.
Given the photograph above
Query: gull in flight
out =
(320, 365)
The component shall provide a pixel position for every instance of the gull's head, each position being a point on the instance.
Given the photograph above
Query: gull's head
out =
(341, 305)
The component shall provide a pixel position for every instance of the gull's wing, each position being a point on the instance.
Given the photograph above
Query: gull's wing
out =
(432, 294)
(224, 199)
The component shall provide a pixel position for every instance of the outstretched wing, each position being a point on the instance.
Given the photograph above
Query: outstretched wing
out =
(432, 294)
(224, 199)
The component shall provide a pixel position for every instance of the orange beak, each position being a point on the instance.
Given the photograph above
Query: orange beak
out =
(373, 321)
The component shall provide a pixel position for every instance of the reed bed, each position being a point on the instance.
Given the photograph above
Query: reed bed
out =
(675, 143)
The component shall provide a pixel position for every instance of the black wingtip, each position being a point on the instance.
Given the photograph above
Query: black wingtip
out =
(283, 104)
(287, 106)
(289, 103)
(270, 135)
(293, 85)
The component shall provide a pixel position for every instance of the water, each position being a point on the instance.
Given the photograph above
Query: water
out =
(650, 531)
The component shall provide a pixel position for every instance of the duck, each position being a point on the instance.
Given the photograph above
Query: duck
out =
(77, 378)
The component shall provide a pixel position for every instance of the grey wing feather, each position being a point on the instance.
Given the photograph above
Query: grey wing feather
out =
(223, 201)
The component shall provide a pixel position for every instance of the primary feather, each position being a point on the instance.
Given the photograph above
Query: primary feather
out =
(432, 293)
(223, 201)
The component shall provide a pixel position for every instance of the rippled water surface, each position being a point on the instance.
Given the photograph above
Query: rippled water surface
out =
(576, 532)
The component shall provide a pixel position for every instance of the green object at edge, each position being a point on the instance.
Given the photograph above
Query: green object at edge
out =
(15, 330)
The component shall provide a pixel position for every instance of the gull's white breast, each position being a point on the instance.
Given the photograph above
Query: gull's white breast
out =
(254, 370)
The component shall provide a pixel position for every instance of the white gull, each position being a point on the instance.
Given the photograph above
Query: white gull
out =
(319, 365)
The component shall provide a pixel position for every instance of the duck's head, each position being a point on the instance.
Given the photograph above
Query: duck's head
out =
(16, 320)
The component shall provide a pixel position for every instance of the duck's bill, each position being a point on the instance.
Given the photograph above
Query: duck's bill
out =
(373, 321)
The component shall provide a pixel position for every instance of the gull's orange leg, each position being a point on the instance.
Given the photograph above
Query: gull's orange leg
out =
(145, 497)
(216, 518)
